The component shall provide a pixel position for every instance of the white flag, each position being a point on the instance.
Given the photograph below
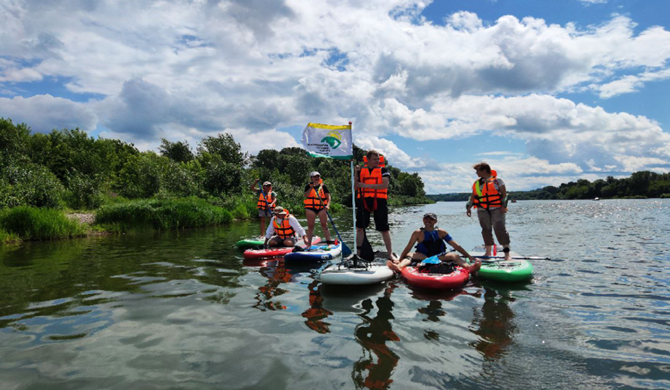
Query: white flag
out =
(328, 141)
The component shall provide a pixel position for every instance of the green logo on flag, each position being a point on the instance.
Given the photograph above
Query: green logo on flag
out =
(334, 139)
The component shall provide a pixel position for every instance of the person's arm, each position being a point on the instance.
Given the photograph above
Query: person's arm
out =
(460, 250)
(503, 198)
(308, 189)
(269, 231)
(412, 240)
(328, 200)
(273, 196)
(297, 228)
(253, 185)
(468, 206)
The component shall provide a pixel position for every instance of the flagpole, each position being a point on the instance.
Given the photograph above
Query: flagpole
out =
(353, 191)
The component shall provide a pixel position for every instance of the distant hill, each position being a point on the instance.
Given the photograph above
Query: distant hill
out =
(639, 185)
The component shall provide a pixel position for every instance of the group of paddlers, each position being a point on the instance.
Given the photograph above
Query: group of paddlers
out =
(489, 197)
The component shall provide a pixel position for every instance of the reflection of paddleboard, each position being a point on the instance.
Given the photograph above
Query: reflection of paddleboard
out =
(275, 251)
(500, 270)
(346, 273)
(315, 253)
(349, 300)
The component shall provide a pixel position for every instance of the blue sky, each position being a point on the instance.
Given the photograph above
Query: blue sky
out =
(545, 91)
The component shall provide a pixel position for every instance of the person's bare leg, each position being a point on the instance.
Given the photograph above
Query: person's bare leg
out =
(262, 226)
(311, 217)
(323, 218)
(386, 236)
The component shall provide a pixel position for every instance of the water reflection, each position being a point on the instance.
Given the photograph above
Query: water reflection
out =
(494, 324)
(316, 313)
(374, 369)
(277, 274)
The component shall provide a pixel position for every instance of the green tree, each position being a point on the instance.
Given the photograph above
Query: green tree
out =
(176, 151)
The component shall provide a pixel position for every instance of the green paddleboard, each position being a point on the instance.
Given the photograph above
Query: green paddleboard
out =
(500, 270)
(248, 243)
(506, 270)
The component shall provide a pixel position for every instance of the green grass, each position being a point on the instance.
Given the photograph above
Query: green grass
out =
(162, 214)
(7, 237)
(32, 223)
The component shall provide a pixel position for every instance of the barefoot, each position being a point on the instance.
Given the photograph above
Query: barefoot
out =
(475, 267)
(393, 266)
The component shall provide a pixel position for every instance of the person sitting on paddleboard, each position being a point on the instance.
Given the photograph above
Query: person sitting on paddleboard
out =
(429, 242)
(373, 183)
(317, 202)
(283, 229)
(267, 200)
(489, 196)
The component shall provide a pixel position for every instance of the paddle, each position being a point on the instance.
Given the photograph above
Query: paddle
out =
(346, 251)
(496, 258)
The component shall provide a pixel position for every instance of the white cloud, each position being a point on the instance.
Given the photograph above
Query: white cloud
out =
(252, 67)
(44, 113)
(394, 155)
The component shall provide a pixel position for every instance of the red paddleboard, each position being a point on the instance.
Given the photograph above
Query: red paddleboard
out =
(453, 280)
(275, 251)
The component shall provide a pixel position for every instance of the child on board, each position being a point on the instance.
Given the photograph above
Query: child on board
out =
(373, 183)
(317, 202)
(283, 229)
(489, 196)
(267, 200)
(430, 241)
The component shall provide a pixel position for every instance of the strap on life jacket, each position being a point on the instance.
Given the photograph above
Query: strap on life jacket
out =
(285, 230)
(486, 196)
(316, 198)
(264, 201)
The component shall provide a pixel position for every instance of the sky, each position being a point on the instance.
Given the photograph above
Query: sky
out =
(546, 92)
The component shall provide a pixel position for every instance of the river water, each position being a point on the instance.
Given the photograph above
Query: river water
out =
(183, 310)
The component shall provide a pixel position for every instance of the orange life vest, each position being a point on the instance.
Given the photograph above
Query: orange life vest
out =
(374, 177)
(264, 201)
(285, 230)
(486, 196)
(312, 201)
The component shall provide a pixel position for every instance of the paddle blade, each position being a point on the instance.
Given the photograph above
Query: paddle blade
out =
(346, 251)
(367, 253)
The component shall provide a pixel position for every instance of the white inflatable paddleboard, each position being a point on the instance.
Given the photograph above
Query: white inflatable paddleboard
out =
(345, 273)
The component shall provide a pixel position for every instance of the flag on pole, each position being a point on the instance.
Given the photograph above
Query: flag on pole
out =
(328, 141)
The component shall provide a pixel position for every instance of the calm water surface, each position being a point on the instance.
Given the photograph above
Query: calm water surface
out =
(183, 310)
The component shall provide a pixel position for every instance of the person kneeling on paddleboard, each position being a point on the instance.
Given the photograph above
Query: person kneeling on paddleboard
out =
(283, 229)
(430, 241)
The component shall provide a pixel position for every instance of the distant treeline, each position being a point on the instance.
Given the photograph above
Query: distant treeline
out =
(640, 185)
(69, 169)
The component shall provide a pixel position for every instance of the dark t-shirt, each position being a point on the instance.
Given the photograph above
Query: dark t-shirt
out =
(325, 189)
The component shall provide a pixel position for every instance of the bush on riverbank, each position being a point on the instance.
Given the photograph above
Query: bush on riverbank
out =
(31, 223)
(163, 214)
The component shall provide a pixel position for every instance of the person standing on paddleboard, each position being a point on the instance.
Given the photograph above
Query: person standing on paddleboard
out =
(489, 196)
(430, 241)
(283, 229)
(373, 181)
(317, 202)
(267, 200)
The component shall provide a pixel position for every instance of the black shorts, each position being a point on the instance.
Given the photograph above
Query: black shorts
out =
(381, 214)
(316, 211)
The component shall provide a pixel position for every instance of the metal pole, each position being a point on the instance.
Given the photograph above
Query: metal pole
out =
(353, 191)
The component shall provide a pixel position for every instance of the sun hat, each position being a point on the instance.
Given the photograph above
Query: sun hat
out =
(280, 211)
(314, 173)
(430, 215)
(267, 183)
